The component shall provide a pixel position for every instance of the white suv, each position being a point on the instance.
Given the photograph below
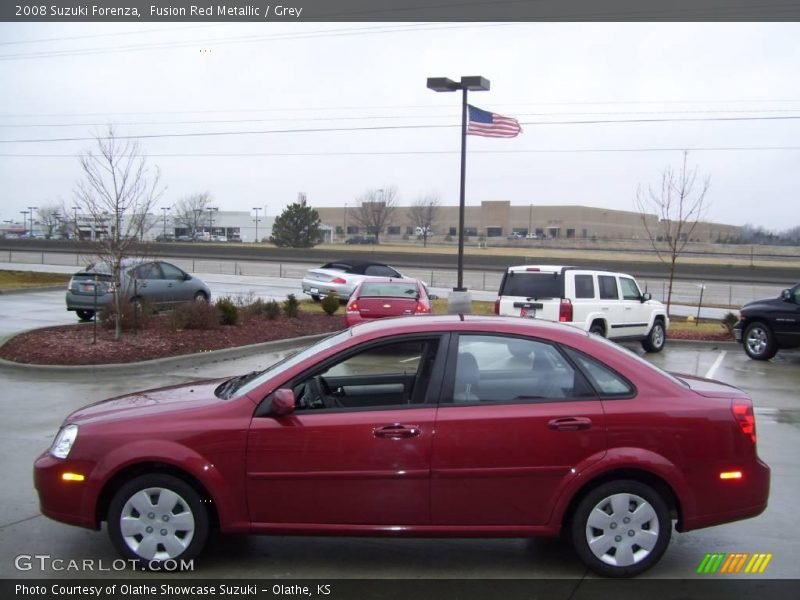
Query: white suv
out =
(601, 302)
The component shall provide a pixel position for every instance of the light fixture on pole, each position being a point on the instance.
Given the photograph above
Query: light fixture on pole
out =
(166, 210)
(460, 299)
(32, 208)
(256, 220)
(211, 210)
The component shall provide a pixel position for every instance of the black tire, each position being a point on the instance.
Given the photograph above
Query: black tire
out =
(85, 315)
(621, 528)
(316, 297)
(758, 341)
(656, 338)
(200, 297)
(598, 329)
(149, 537)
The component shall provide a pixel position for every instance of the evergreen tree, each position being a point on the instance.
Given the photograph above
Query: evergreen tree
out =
(298, 226)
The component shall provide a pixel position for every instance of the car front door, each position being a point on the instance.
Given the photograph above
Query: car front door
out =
(356, 450)
(515, 423)
(786, 323)
(635, 312)
(178, 287)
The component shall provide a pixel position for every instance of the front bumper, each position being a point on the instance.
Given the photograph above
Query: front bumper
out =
(70, 502)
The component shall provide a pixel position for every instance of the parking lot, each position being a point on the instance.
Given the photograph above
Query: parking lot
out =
(35, 402)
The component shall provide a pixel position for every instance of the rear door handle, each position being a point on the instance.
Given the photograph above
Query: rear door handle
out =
(396, 431)
(570, 424)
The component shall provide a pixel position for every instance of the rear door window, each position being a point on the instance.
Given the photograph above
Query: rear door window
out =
(608, 287)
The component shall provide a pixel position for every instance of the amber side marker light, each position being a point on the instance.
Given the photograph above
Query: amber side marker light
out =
(730, 475)
(72, 477)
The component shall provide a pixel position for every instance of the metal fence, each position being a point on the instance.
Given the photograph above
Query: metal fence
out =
(691, 293)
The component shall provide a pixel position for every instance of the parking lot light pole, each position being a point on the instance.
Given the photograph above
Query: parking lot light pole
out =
(256, 208)
(166, 210)
(24, 221)
(459, 300)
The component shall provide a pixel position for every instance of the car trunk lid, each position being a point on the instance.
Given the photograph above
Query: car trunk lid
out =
(372, 308)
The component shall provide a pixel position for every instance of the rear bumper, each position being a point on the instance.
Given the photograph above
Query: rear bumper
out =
(86, 302)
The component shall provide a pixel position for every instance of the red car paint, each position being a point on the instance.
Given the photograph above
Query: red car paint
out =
(436, 467)
(387, 297)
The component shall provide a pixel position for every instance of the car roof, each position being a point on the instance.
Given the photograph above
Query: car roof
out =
(559, 269)
(487, 323)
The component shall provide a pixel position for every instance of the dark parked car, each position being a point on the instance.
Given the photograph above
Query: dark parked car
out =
(387, 297)
(766, 326)
(342, 276)
(476, 426)
(155, 283)
(361, 239)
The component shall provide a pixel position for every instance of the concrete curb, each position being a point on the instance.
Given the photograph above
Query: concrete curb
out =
(184, 360)
(48, 288)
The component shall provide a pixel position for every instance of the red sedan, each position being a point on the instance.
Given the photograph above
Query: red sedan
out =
(389, 297)
(443, 426)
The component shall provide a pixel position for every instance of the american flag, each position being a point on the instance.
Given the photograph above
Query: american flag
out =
(489, 124)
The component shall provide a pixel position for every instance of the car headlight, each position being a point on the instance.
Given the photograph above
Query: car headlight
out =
(64, 441)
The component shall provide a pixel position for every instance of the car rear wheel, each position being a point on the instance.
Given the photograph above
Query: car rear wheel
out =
(316, 298)
(759, 343)
(598, 329)
(85, 315)
(154, 518)
(655, 340)
(621, 528)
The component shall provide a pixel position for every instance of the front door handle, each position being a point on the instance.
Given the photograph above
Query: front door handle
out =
(570, 424)
(396, 431)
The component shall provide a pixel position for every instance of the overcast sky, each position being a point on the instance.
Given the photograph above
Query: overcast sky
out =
(730, 93)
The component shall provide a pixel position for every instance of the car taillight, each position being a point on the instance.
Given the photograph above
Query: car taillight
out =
(565, 311)
(112, 287)
(743, 412)
(421, 309)
(497, 306)
(339, 280)
(352, 307)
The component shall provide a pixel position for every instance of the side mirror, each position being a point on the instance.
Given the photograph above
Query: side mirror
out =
(646, 296)
(283, 402)
(186, 277)
(786, 294)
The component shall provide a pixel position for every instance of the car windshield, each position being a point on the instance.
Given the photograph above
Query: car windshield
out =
(390, 290)
(251, 381)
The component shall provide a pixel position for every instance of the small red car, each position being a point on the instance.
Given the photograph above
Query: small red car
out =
(388, 297)
(443, 426)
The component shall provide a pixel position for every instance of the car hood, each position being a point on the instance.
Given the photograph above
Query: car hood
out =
(178, 398)
(763, 302)
(710, 388)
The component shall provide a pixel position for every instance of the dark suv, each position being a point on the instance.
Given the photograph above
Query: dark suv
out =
(766, 326)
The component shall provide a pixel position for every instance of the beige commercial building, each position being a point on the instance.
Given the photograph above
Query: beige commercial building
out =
(499, 218)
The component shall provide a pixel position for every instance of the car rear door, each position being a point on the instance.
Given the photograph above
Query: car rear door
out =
(147, 282)
(515, 423)
(611, 305)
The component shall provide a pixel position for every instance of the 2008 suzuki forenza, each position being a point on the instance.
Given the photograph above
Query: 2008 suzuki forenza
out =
(444, 426)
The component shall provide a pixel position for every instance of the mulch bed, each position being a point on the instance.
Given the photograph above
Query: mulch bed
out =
(73, 344)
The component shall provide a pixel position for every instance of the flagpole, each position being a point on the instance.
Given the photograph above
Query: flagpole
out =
(462, 197)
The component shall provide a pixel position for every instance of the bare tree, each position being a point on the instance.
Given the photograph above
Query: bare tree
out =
(375, 209)
(191, 212)
(50, 219)
(117, 191)
(679, 207)
(422, 215)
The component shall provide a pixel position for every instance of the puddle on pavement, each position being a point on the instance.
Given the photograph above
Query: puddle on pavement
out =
(779, 415)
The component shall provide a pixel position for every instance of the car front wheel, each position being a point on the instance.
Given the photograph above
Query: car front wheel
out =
(655, 340)
(621, 528)
(155, 518)
(759, 343)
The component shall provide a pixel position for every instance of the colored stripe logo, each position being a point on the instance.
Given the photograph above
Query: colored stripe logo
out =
(737, 562)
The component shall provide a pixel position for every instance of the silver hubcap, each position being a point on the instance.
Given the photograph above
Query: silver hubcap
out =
(757, 340)
(622, 530)
(657, 336)
(157, 524)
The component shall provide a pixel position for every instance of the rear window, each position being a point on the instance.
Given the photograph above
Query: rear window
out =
(392, 290)
(532, 285)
